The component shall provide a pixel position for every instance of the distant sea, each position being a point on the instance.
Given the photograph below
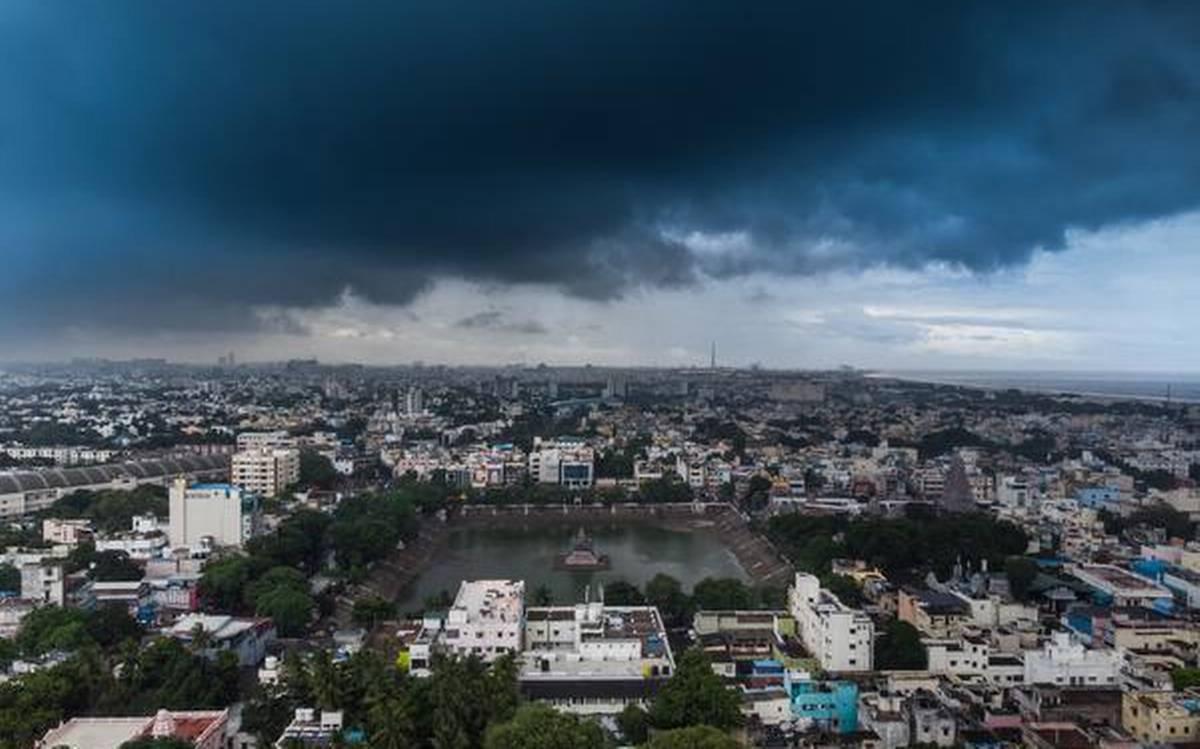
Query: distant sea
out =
(1147, 386)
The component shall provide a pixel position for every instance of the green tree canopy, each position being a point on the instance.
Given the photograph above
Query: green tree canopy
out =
(316, 471)
(372, 610)
(899, 647)
(10, 579)
(695, 695)
(634, 724)
(115, 566)
(541, 727)
(722, 593)
(622, 593)
(1021, 572)
(158, 743)
(290, 609)
(666, 593)
(693, 737)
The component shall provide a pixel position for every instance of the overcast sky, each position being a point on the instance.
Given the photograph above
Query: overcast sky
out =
(917, 185)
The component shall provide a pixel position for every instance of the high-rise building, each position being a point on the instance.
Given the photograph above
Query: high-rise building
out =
(414, 401)
(266, 470)
(220, 514)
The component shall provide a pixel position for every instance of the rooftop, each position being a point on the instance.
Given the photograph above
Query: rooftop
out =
(483, 600)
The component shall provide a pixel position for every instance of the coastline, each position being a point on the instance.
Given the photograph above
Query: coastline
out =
(1030, 386)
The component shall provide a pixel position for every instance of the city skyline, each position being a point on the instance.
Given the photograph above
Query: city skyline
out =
(986, 186)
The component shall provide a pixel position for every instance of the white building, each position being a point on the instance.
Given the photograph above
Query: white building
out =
(135, 545)
(1065, 661)
(967, 656)
(311, 727)
(266, 471)
(44, 582)
(219, 512)
(839, 637)
(486, 619)
(1013, 491)
(565, 462)
(594, 659)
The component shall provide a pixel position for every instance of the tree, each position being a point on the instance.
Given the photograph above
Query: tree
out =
(845, 588)
(1185, 678)
(274, 579)
(52, 628)
(665, 593)
(115, 566)
(1021, 572)
(390, 725)
(541, 727)
(669, 488)
(622, 593)
(695, 695)
(758, 493)
(223, 582)
(724, 593)
(899, 647)
(10, 579)
(634, 723)
(158, 743)
(109, 626)
(693, 737)
(542, 595)
(371, 610)
(316, 471)
(290, 609)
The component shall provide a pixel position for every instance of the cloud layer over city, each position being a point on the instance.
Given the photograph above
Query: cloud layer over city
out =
(241, 174)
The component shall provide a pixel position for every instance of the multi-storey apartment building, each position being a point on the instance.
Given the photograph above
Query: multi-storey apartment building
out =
(839, 637)
(266, 470)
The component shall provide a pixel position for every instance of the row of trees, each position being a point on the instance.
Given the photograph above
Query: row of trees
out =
(466, 704)
(112, 510)
(904, 548)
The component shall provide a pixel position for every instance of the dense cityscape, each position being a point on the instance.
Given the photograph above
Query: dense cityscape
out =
(226, 556)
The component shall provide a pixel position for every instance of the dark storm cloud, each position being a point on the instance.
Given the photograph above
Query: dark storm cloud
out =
(173, 164)
(494, 320)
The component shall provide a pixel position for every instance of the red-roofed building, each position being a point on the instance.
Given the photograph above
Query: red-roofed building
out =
(203, 728)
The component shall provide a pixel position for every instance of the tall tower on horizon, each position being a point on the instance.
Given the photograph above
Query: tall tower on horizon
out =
(712, 363)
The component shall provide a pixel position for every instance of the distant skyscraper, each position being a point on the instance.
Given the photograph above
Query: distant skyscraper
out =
(712, 363)
(414, 401)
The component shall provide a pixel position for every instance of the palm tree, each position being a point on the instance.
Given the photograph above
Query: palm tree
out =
(542, 595)
(202, 640)
(326, 681)
(390, 724)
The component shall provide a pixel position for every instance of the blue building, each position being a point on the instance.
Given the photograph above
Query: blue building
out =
(832, 705)
(1099, 497)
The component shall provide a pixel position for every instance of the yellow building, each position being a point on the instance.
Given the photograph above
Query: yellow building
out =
(1162, 717)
